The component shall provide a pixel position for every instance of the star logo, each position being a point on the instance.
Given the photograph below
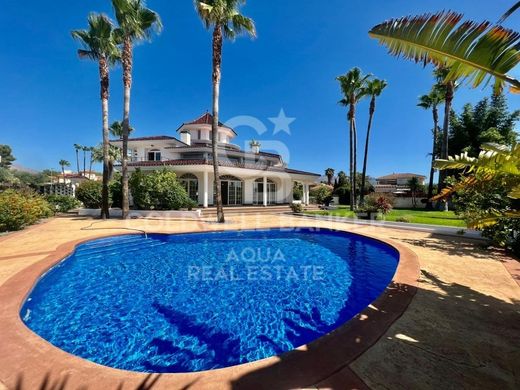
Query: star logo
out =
(282, 122)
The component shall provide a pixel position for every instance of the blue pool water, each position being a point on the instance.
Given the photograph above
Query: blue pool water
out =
(191, 302)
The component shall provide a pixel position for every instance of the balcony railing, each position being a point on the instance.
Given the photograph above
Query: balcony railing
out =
(142, 159)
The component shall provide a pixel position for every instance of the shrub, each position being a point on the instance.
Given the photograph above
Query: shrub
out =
(321, 193)
(403, 218)
(296, 207)
(62, 203)
(158, 190)
(297, 191)
(475, 202)
(378, 202)
(21, 208)
(191, 204)
(115, 189)
(89, 193)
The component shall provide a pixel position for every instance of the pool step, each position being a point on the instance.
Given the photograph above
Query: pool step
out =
(114, 239)
(115, 247)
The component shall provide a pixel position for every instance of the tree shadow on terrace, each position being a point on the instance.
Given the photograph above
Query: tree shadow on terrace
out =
(456, 246)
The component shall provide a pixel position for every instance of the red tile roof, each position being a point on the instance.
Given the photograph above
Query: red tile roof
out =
(206, 119)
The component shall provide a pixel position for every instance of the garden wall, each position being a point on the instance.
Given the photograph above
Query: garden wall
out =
(407, 203)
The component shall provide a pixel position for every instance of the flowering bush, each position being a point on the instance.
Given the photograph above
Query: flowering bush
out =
(21, 208)
(378, 202)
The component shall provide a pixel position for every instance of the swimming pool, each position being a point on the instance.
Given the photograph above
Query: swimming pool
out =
(192, 302)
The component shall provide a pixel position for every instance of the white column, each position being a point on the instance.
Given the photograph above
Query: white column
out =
(265, 191)
(205, 189)
(306, 193)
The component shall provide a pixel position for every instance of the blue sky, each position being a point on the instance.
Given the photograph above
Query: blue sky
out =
(49, 99)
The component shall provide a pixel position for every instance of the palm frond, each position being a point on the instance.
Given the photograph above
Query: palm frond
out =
(509, 12)
(472, 51)
(135, 20)
(514, 193)
(98, 40)
(242, 24)
(225, 14)
(466, 182)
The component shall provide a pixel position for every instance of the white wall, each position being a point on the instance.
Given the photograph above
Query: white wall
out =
(406, 203)
(248, 191)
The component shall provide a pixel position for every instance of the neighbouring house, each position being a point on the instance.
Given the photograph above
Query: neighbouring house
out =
(74, 178)
(252, 177)
(397, 183)
(67, 184)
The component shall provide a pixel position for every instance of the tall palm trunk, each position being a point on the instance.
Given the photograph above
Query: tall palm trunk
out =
(450, 86)
(217, 62)
(63, 173)
(77, 160)
(127, 82)
(372, 110)
(435, 113)
(104, 80)
(351, 153)
(354, 157)
(90, 164)
(84, 162)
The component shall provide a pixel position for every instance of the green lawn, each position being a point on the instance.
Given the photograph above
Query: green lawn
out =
(445, 218)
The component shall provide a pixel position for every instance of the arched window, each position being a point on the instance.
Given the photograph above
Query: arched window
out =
(154, 155)
(191, 185)
(229, 178)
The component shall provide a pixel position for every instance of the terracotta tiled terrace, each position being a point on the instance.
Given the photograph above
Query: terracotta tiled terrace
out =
(450, 319)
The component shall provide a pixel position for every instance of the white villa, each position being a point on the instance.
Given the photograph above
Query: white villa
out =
(248, 177)
(397, 183)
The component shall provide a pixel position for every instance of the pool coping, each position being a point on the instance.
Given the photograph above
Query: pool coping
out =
(24, 354)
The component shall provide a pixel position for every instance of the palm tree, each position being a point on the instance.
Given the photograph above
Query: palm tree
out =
(91, 161)
(63, 164)
(77, 147)
(99, 44)
(474, 51)
(227, 22)
(114, 155)
(414, 186)
(432, 101)
(136, 23)
(448, 87)
(85, 149)
(352, 85)
(374, 88)
(329, 172)
(116, 129)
